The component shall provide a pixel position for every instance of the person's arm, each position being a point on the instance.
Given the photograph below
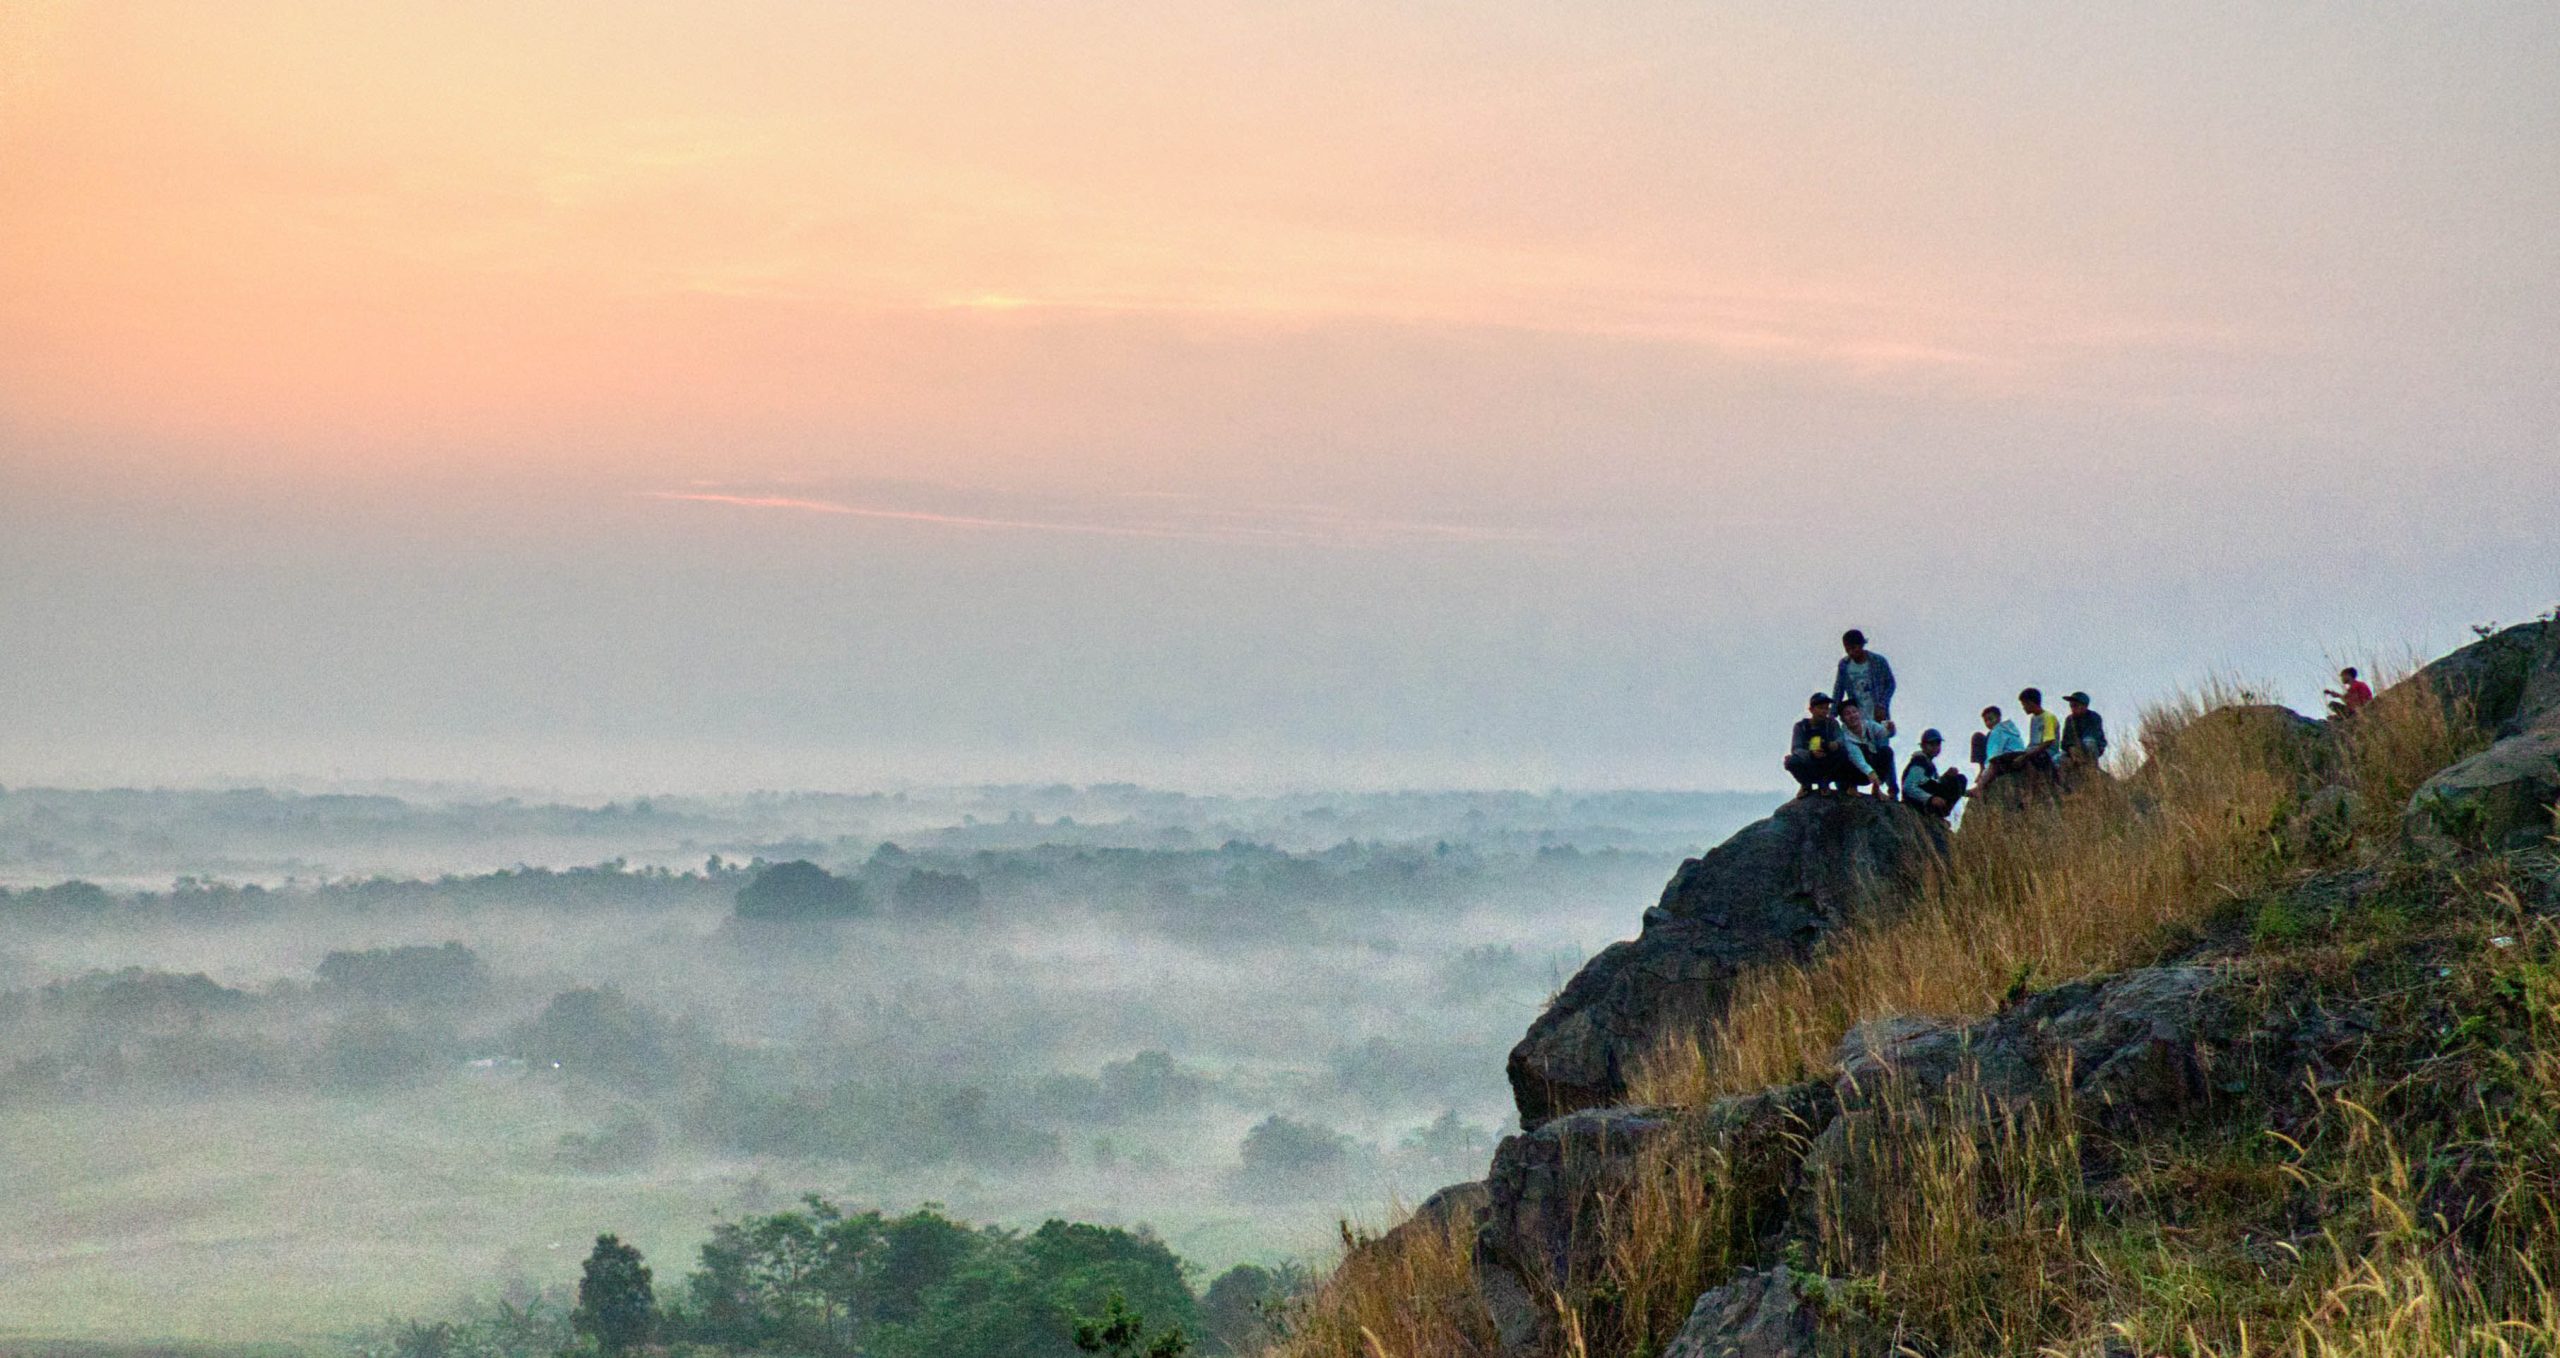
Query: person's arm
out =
(1840, 681)
(1882, 682)
(1800, 741)
(1858, 758)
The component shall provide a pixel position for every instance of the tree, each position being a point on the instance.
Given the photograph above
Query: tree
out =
(599, 1033)
(798, 890)
(926, 892)
(616, 1305)
(1238, 1310)
(1122, 1333)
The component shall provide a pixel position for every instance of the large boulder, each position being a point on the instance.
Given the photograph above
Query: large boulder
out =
(2506, 681)
(2498, 799)
(1558, 1197)
(2501, 798)
(1768, 894)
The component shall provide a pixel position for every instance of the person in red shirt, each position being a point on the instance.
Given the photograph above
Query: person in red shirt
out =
(2348, 701)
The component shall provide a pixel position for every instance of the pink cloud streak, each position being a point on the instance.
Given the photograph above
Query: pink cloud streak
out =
(1314, 526)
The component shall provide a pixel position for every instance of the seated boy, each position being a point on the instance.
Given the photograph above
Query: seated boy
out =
(2348, 701)
(1822, 756)
(2003, 749)
(1924, 788)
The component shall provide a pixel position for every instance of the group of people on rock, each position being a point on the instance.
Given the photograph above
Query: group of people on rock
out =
(1845, 741)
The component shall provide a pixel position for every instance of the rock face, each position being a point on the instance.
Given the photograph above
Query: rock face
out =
(1556, 1193)
(2505, 680)
(2502, 797)
(2134, 1045)
(1769, 893)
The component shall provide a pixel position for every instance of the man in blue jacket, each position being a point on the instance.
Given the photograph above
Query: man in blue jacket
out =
(1866, 678)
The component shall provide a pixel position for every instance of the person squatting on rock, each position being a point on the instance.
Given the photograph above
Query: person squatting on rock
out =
(2350, 699)
(1924, 788)
(1821, 755)
(2084, 734)
(1874, 744)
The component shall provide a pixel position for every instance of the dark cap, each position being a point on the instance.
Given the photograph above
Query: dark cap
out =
(1818, 700)
(1853, 637)
(1931, 737)
(2080, 698)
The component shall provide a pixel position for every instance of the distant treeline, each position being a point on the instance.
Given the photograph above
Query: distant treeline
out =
(920, 884)
(821, 1282)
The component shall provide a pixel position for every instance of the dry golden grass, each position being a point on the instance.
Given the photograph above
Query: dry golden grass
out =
(2051, 892)
(1409, 1294)
(1962, 1214)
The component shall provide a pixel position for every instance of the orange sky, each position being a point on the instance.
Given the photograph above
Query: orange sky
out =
(309, 230)
(1480, 385)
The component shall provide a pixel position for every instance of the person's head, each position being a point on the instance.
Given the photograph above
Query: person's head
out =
(1818, 707)
(2348, 674)
(1855, 643)
(2078, 702)
(1930, 741)
(2031, 699)
(1851, 714)
(1990, 717)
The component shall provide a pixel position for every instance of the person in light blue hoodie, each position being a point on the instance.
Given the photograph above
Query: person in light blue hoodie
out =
(1999, 748)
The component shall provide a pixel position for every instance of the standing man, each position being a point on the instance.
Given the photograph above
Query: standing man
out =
(2084, 733)
(1924, 788)
(1866, 677)
(1821, 755)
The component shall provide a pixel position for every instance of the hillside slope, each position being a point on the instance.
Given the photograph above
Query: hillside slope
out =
(2255, 1045)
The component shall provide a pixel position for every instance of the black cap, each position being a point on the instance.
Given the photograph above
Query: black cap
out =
(2080, 698)
(1819, 699)
(1931, 737)
(1853, 637)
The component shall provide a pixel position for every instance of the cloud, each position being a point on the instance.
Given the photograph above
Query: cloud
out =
(1167, 518)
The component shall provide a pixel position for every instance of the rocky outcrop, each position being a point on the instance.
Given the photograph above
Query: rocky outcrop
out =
(1768, 894)
(2132, 1045)
(1458, 1205)
(2502, 797)
(2505, 681)
(1558, 1197)
(1772, 1313)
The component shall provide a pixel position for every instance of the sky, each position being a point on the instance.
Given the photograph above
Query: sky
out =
(646, 396)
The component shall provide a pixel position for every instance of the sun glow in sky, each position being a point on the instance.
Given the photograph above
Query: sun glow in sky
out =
(2058, 313)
